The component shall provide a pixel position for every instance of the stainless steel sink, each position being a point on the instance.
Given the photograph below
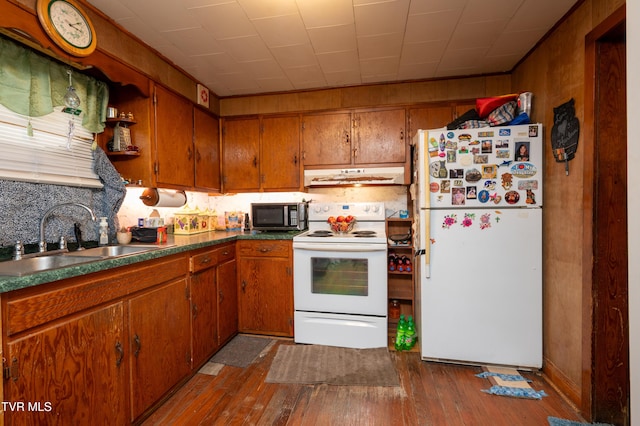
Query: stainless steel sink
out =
(18, 268)
(112, 251)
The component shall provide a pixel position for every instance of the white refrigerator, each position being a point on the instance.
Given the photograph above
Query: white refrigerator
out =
(478, 235)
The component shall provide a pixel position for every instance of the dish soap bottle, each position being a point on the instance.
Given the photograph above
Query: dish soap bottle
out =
(104, 232)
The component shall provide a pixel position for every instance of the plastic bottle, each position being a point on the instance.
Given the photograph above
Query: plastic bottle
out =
(410, 334)
(104, 232)
(400, 334)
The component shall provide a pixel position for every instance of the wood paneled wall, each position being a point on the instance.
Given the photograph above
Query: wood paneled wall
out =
(368, 96)
(555, 73)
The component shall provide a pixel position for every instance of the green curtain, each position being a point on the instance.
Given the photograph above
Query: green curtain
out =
(32, 85)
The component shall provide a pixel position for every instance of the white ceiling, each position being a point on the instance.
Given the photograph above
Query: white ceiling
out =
(238, 47)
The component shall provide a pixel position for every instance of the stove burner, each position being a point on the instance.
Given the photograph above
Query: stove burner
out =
(364, 233)
(321, 233)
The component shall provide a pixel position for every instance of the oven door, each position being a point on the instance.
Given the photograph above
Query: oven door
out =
(348, 278)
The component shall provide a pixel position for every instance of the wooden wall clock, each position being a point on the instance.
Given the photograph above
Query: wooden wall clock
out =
(68, 25)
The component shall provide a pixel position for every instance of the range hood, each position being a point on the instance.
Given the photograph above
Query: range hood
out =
(355, 176)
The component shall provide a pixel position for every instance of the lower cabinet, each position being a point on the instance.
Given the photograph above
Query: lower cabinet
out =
(227, 301)
(214, 311)
(103, 348)
(159, 343)
(265, 287)
(73, 372)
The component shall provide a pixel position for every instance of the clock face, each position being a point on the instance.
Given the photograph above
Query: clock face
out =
(67, 25)
(70, 24)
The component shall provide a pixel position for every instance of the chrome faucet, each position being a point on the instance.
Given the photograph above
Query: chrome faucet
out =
(42, 245)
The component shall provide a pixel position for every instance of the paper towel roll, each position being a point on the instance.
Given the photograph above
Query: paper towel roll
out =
(158, 197)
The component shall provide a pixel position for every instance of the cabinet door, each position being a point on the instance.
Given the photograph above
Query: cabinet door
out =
(206, 142)
(240, 150)
(159, 343)
(431, 117)
(326, 139)
(380, 137)
(70, 373)
(227, 301)
(204, 314)
(266, 296)
(174, 139)
(280, 153)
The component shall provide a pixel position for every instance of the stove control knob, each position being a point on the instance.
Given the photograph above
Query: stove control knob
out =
(326, 208)
(376, 208)
(317, 209)
(367, 208)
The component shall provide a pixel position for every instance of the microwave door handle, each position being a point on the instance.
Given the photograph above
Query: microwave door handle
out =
(339, 247)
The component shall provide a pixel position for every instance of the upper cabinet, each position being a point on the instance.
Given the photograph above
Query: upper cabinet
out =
(326, 139)
(436, 116)
(261, 154)
(178, 143)
(173, 139)
(354, 138)
(206, 145)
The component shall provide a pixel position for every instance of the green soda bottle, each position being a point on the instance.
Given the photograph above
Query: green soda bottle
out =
(400, 333)
(410, 334)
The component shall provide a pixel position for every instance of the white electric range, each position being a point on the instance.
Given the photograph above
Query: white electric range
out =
(340, 279)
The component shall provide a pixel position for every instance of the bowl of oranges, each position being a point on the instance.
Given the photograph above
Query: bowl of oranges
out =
(341, 224)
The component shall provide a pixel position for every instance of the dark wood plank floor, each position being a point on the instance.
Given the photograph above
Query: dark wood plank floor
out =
(430, 394)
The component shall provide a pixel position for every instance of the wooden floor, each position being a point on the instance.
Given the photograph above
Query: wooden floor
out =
(430, 394)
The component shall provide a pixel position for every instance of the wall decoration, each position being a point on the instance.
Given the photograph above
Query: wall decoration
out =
(565, 133)
(203, 96)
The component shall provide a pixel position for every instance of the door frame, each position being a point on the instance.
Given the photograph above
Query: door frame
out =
(589, 312)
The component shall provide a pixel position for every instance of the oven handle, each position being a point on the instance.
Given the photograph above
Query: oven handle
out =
(340, 247)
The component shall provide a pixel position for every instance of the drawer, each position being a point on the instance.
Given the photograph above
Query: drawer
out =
(265, 248)
(226, 253)
(203, 260)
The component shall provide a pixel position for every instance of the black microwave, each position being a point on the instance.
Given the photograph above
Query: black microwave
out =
(279, 216)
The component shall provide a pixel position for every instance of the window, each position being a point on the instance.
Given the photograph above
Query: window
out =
(48, 156)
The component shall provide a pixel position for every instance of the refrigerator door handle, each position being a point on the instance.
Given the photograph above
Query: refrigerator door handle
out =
(427, 243)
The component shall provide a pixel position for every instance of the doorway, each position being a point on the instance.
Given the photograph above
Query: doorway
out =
(607, 354)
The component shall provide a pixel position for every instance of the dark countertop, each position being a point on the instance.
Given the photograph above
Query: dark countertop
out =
(175, 244)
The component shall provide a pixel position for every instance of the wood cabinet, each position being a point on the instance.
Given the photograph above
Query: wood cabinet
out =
(70, 372)
(213, 300)
(261, 153)
(435, 116)
(179, 143)
(280, 153)
(265, 287)
(355, 138)
(400, 277)
(159, 343)
(206, 146)
(326, 139)
(105, 346)
(173, 139)
(240, 154)
(227, 301)
(380, 137)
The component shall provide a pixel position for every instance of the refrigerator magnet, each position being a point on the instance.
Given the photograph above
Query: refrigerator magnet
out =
(473, 175)
(507, 180)
(512, 197)
(483, 196)
(523, 170)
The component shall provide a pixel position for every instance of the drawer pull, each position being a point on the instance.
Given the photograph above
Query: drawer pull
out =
(265, 249)
(136, 339)
(119, 354)
(205, 260)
